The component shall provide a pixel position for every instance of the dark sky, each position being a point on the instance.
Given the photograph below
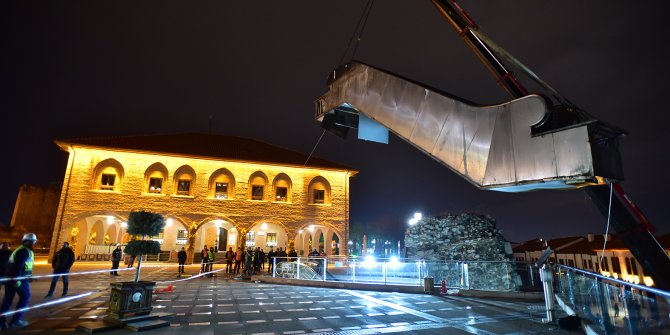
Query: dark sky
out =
(93, 68)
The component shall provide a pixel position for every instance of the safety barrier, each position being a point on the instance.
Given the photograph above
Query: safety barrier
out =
(614, 306)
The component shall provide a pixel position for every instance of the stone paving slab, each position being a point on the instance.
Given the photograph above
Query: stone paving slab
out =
(222, 305)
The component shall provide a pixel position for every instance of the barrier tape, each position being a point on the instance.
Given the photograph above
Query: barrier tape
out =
(54, 302)
(6, 279)
(62, 274)
(85, 294)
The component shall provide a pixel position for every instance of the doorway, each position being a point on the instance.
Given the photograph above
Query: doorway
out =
(223, 239)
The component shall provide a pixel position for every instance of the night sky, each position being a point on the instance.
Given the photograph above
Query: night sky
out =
(92, 68)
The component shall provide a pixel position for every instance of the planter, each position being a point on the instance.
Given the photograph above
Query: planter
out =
(129, 299)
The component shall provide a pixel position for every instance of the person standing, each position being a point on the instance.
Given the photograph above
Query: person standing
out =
(271, 259)
(230, 256)
(248, 262)
(117, 254)
(4, 259)
(61, 264)
(20, 264)
(210, 257)
(181, 258)
(238, 260)
(204, 253)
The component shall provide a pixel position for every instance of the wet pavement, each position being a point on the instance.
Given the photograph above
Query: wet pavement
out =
(224, 305)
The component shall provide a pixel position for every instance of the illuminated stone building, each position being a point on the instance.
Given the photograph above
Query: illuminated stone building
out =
(213, 190)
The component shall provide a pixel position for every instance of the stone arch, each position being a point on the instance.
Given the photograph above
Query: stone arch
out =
(97, 234)
(319, 191)
(304, 235)
(155, 178)
(258, 183)
(333, 243)
(282, 186)
(77, 235)
(108, 175)
(184, 181)
(221, 176)
(196, 229)
(266, 227)
(112, 232)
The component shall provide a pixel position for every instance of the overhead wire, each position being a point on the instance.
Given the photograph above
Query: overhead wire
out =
(357, 34)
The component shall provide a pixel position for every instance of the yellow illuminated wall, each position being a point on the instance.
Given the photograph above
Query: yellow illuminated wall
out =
(89, 205)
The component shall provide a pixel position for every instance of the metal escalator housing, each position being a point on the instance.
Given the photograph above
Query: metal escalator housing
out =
(491, 146)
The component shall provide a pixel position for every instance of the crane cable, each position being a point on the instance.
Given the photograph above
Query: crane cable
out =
(607, 229)
(358, 32)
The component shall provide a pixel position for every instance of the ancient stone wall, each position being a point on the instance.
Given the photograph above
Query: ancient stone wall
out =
(471, 239)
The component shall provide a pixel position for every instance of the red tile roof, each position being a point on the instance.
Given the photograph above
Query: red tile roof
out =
(208, 146)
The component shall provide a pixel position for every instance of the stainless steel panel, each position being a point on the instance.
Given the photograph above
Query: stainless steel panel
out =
(491, 146)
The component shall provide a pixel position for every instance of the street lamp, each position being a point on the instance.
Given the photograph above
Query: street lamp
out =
(417, 217)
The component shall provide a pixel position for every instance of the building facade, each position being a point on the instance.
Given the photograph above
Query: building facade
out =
(213, 190)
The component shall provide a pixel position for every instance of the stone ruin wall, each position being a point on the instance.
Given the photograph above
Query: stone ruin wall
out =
(470, 238)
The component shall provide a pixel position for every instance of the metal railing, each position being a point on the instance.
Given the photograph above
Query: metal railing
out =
(473, 275)
(614, 306)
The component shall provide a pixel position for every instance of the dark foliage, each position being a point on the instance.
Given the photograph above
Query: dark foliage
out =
(146, 247)
(143, 223)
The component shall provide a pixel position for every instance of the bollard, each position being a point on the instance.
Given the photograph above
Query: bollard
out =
(443, 287)
(428, 283)
(547, 277)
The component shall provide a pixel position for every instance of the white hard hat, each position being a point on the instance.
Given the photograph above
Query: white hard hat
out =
(29, 237)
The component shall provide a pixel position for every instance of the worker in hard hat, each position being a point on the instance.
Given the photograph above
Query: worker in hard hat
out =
(20, 266)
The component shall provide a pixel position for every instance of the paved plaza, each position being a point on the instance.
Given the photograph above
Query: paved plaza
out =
(224, 305)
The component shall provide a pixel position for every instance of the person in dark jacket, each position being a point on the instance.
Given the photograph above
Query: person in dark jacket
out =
(181, 258)
(61, 263)
(4, 259)
(20, 264)
(271, 259)
(117, 254)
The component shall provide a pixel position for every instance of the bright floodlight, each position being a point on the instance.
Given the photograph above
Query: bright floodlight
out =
(412, 221)
(168, 222)
(110, 219)
(124, 224)
(264, 226)
(418, 216)
(311, 227)
(350, 242)
(369, 261)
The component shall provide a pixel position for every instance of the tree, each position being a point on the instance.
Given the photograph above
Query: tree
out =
(143, 224)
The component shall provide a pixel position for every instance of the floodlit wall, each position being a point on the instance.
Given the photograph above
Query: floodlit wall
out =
(90, 198)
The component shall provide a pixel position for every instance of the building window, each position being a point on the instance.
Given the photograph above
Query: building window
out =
(605, 265)
(182, 236)
(221, 191)
(571, 263)
(155, 185)
(616, 266)
(107, 181)
(319, 196)
(633, 266)
(183, 187)
(281, 194)
(271, 239)
(590, 264)
(257, 192)
(251, 239)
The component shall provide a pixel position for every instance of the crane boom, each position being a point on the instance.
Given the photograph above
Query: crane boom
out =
(524, 144)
